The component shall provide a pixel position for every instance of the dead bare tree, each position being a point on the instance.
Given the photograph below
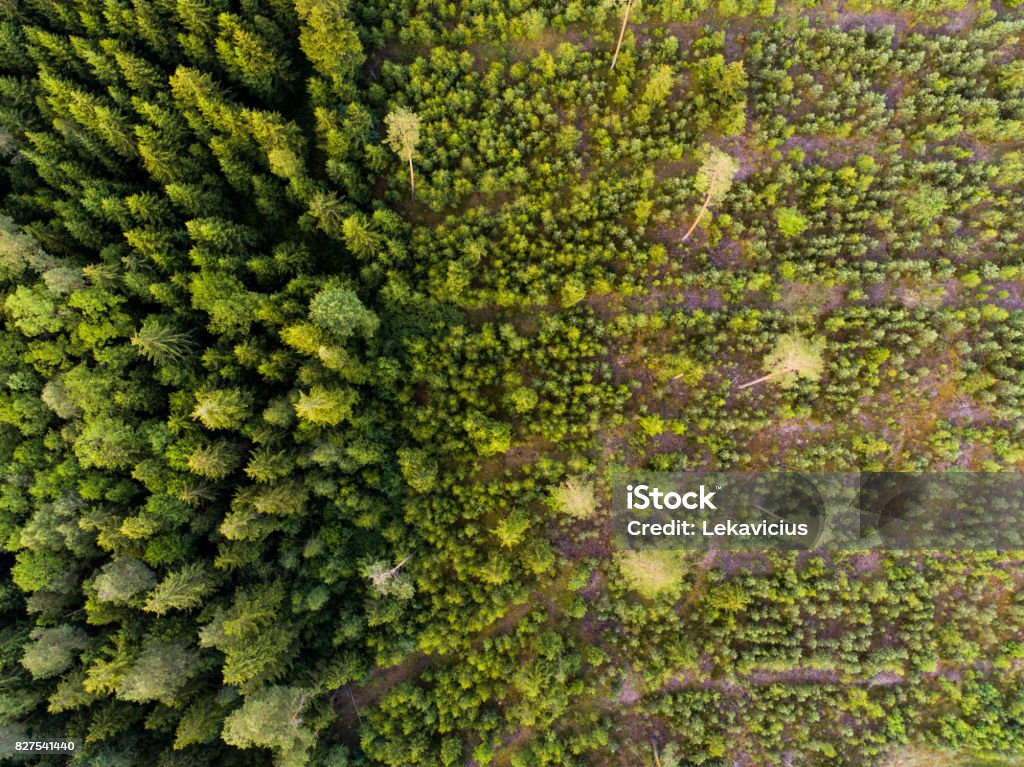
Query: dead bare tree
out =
(716, 174)
(792, 354)
(622, 32)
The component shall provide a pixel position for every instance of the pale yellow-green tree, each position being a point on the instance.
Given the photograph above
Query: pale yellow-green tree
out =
(575, 497)
(403, 135)
(715, 177)
(659, 86)
(793, 357)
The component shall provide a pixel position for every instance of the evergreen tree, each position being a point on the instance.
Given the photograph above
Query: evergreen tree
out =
(221, 409)
(272, 718)
(122, 579)
(182, 589)
(53, 650)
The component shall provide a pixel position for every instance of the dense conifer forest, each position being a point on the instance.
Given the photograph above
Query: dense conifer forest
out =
(323, 325)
